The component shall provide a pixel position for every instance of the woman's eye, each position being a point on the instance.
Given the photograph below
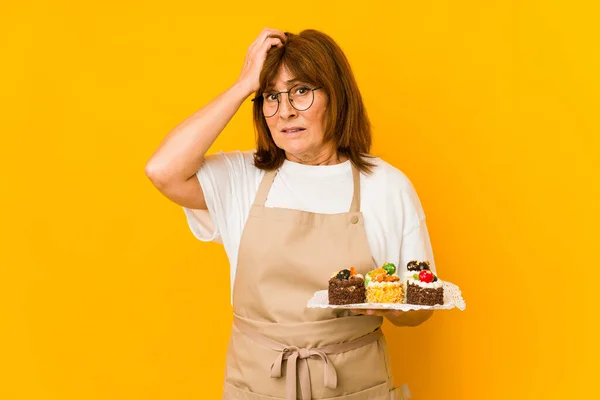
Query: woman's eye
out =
(301, 90)
(271, 97)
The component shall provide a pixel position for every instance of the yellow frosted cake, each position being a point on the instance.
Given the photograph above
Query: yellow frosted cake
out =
(383, 286)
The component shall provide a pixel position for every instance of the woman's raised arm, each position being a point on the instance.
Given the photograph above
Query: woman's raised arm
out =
(173, 165)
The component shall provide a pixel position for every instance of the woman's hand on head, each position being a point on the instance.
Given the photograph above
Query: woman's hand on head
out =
(256, 55)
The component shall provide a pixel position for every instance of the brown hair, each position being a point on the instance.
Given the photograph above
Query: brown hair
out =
(313, 57)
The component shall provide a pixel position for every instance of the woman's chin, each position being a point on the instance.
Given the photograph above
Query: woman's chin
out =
(293, 146)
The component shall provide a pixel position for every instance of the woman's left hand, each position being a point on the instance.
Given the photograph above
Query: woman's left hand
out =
(381, 313)
(398, 317)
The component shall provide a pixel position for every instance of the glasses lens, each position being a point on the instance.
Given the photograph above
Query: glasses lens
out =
(301, 97)
(270, 103)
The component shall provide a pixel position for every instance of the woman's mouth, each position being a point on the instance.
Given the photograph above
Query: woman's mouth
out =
(294, 129)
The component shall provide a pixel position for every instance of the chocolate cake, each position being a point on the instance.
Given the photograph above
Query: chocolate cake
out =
(422, 286)
(346, 287)
(416, 294)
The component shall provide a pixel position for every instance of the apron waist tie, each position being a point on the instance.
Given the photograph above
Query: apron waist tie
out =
(294, 354)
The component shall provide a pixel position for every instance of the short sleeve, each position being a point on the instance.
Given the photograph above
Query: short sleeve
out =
(228, 182)
(415, 244)
(201, 225)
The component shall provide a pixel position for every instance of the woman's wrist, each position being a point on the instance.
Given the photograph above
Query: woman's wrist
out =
(242, 88)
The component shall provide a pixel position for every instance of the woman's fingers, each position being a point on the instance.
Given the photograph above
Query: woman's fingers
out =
(266, 46)
(381, 313)
(256, 55)
(269, 32)
(262, 37)
(261, 51)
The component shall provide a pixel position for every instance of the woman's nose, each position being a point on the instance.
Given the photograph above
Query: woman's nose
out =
(285, 108)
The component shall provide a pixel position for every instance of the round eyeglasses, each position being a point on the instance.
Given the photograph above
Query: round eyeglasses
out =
(300, 96)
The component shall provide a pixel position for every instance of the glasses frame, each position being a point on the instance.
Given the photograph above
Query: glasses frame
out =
(261, 97)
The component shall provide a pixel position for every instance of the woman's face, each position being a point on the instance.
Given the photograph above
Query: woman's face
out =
(307, 143)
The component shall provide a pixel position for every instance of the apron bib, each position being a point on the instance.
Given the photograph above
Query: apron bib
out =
(279, 348)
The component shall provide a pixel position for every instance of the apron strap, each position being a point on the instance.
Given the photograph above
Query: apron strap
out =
(269, 177)
(355, 207)
(265, 186)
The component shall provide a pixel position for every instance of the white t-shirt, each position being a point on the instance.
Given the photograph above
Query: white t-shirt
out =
(394, 219)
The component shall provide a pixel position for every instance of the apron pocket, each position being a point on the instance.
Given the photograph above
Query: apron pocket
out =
(400, 393)
(231, 392)
(378, 392)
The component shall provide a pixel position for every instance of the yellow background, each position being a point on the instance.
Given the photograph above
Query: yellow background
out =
(490, 108)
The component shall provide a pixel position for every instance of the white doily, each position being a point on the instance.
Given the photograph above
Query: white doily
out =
(452, 298)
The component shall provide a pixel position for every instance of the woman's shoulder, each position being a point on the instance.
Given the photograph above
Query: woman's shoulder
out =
(387, 174)
(233, 160)
(242, 156)
(394, 189)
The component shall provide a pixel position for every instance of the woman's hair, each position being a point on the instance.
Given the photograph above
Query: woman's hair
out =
(313, 57)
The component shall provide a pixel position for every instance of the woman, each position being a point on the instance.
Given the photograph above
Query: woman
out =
(308, 201)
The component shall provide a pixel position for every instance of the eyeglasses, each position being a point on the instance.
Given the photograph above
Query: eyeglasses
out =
(301, 97)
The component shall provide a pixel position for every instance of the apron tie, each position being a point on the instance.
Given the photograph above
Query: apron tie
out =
(297, 359)
(294, 354)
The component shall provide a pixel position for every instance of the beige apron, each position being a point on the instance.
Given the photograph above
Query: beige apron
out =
(279, 348)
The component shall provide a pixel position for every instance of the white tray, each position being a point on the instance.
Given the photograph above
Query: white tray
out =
(452, 298)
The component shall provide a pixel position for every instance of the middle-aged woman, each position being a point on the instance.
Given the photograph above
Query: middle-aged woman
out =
(309, 200)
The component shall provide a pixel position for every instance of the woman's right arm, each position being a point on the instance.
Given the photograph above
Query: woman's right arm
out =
(173, 166)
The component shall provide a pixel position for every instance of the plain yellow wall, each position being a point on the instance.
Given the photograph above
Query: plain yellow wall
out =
(490, 108)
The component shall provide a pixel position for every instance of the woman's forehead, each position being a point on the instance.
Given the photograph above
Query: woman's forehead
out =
(281, 83)
(284, 78)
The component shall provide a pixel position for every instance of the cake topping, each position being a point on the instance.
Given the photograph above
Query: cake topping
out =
(382, 274)
(343, 274)
(426, 276)
(389, 268)
(416, 265)
(424, 265)
(413, 265)
(346, 274)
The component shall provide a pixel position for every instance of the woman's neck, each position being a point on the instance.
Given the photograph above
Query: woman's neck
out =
(327, 156)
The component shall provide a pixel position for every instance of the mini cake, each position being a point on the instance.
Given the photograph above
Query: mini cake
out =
(422, 286)
(383, 286)
(346, 287)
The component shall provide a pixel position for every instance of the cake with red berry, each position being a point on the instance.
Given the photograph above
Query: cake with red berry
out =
(422, 286)
(383, 286)
(346, 287)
